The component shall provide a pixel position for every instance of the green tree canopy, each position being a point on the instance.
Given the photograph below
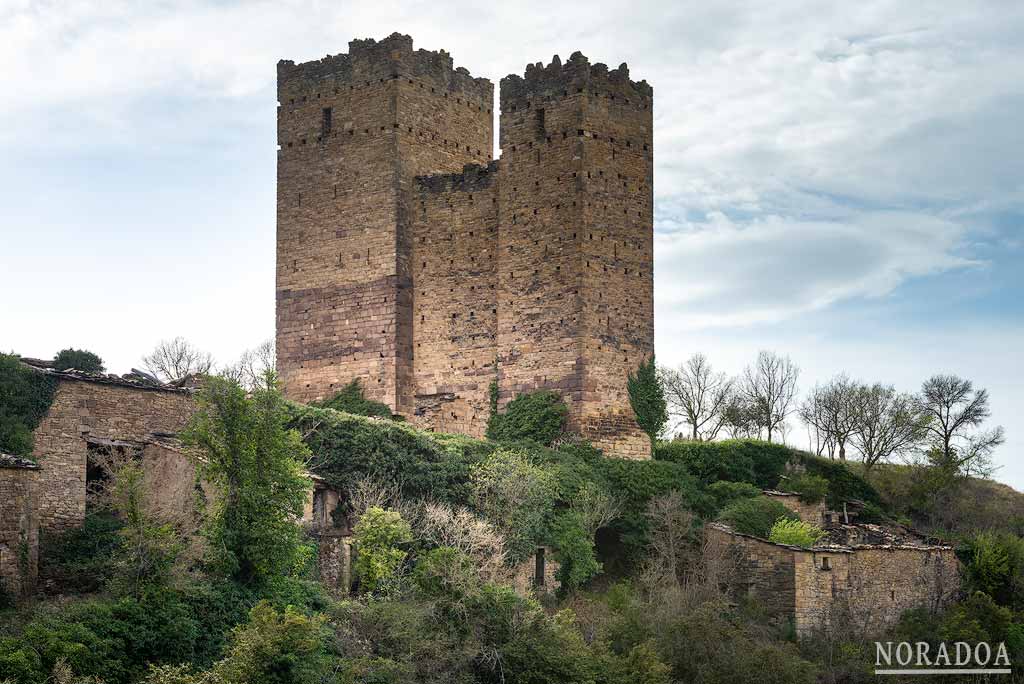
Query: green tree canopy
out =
(257, 466)
(79, 359)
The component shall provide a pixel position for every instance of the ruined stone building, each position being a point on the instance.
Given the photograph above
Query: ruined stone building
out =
(93, 413)
(408, 258)
(19, 524)
(859, 576)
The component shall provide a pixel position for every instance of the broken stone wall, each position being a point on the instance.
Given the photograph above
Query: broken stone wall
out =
(83, 409)
(19, 528)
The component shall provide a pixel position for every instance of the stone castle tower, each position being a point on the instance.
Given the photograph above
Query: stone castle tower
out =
(409, 258)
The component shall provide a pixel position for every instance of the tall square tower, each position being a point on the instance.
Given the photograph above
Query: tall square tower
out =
(354, 131)
(409, 259)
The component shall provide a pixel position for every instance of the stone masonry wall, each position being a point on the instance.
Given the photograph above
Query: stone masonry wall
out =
(575, 242)
(455, 302)
(872, 587)
(83, 409)
(764, 573)
(867, 588)
(402, 264)
(354, 131)
(19, 529)
(813, 513)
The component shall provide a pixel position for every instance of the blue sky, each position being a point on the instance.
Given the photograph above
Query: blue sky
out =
(843, 184)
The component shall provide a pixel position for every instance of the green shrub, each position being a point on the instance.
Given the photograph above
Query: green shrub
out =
(445, 571)
(79, 359)
(708, 461)
(725, 493)
(273, 647)
(80, 560)
(574, 550)
(348, 448)
(710, 645)
(351, 399)
(795, 533)
(737, 460)
(647, 399)
(379, 535)
(635, 483)
(755, 516)
(811, 488)
(111, 639)
(257, 464)
(517, 496)
(843, 483)
(538, 416)
(25, 397)
(974, 619)
(872, 513)
(995, 565)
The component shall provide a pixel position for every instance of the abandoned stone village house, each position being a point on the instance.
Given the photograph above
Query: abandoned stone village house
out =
(411, 259)
(858, 574)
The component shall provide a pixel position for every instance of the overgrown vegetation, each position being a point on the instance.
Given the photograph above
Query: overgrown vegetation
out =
(795, 533)
(537, 416)
(756, 516)
(25, 397)
(257, 465)
(647, 398)
(443, 524)
(352, 399)
(78, 359)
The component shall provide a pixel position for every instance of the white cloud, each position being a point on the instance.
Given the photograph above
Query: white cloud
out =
(807, 154)
(721, 273)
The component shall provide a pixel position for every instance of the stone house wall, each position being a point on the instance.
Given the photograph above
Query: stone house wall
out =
(19, 525)
(84, 409)
(871, 587)
(865, 587)
(813, 513)
(763, 572)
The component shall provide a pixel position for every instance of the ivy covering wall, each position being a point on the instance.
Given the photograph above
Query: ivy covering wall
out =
(25, 397)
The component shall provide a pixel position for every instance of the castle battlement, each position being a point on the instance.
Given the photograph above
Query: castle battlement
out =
(578, 75)
(369, 61)
(409, 259)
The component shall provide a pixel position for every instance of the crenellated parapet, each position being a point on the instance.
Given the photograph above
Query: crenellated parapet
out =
(369, 61)
(575, 76)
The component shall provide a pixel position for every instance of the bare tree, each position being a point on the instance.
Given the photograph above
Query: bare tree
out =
(698, 395)
(175, 359)
(596, 507)
(888, 423)
(740, 417)
(250, 371)
(955, 410)
(671, 537)
(813, 415)
(832, 411)
(769, 386)
(458, 528)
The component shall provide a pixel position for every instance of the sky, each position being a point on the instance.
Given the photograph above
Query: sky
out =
(839, 182)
